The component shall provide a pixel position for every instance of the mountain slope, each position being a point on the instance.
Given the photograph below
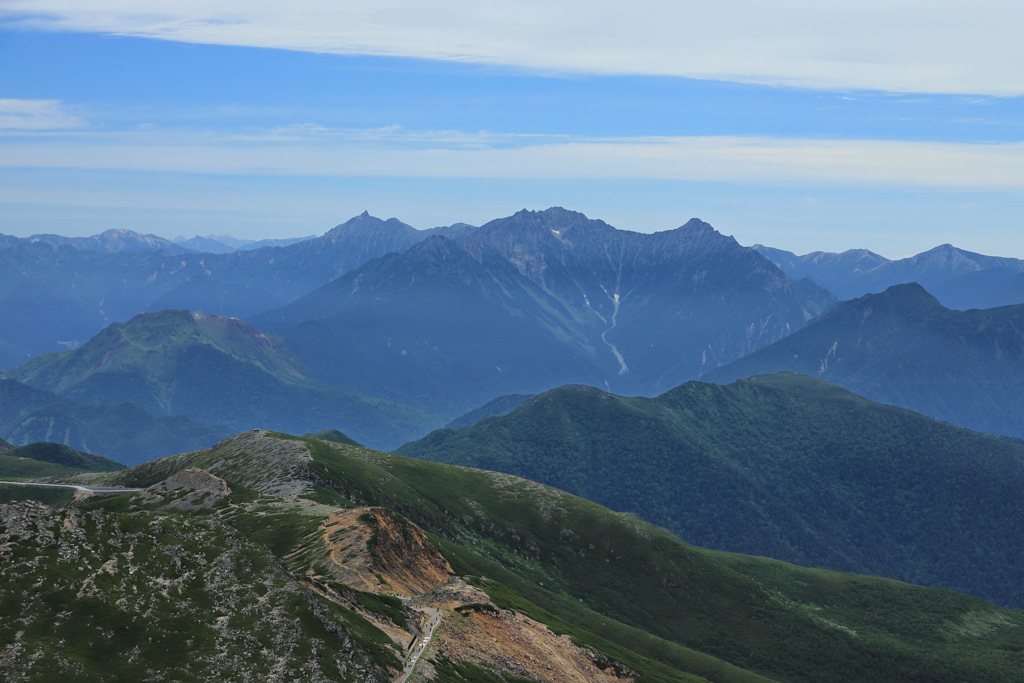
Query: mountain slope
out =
(671, 303)
(631, 592)
(903, 348)
(123, 432)
(80, 588)
(434, 327)
(783, 466)
(214, 369)
(63, 456)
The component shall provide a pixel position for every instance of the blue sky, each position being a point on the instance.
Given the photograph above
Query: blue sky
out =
(891, 126)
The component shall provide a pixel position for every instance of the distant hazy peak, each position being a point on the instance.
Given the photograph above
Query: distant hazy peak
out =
(365, 221)
(696, 225)
(910, 295)
(113, 240)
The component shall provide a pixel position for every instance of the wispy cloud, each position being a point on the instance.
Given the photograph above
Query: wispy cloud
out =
(310, 150)
(37, 115)
(906, 46)
(395, 135)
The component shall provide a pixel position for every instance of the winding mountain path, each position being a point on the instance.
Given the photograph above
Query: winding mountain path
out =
(420, 644)
(81, 489)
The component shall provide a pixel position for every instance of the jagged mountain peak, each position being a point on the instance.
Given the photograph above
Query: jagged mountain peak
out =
(698, 236)
(552, 223)
(696, 224)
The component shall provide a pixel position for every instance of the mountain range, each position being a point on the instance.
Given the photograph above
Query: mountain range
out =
(904, 348)
(960, 279)
(225, 244)
(59, 292)
(538, 299)
(276, 557)
(784, 466)
(271, 556)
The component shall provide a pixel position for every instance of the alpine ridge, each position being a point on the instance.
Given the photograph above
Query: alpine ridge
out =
(784, 466)
(268, 555)
(541, 298)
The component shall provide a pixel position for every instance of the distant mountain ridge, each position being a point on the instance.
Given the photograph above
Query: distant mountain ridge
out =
(57, 290)
(541, 298)
(904, 348)
(80, 285)
(225, 244)
(42, 459)
(113, 241)
(946, 271)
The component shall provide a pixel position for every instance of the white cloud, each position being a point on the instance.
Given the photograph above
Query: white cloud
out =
(445, 154)
(37, 115)
(892, 45)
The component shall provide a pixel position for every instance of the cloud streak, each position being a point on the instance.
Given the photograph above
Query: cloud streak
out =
(37, 115)
(310, 150)
(905, 46)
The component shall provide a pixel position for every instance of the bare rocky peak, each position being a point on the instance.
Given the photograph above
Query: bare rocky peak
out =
(257, 460)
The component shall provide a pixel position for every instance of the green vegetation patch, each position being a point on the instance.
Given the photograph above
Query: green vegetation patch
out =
(467, 672)
(57, 497)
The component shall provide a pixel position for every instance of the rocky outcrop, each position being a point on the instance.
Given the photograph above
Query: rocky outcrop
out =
(94, 595)
(189, 489)
(487, 636)
(372, 549)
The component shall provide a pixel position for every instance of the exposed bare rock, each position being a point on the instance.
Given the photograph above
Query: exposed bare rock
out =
(189, 489)
(457, 592)
(257, 459)
(482, 634)
(372, 549)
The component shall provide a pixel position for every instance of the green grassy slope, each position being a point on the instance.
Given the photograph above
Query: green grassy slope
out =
(617, 579)
(783, 466)
(61, 454)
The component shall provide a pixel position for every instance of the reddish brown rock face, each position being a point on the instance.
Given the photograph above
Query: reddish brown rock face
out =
(371, 549)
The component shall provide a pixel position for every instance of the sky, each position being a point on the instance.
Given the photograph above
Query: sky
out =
(893, 126)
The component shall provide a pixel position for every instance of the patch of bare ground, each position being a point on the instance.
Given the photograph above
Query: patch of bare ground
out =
(189, 489)
(482, 634)
(374, 550)
(371, 549)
